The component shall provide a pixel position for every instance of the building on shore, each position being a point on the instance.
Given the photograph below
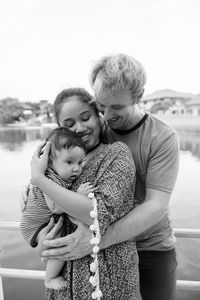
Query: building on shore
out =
(193, 105)
(171, 102)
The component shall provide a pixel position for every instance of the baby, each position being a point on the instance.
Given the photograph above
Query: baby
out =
(65, 164)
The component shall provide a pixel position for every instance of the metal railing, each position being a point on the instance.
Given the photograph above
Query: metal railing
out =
(34, 274)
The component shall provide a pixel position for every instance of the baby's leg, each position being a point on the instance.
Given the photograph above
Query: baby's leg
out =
(52, 278)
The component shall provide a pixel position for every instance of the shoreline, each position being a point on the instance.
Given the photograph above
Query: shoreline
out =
(181, 123)
(187, 123)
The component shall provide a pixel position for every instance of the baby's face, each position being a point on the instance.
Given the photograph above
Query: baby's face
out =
(68, 162)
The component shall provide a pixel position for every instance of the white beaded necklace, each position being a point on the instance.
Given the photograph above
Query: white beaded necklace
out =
(95, 240)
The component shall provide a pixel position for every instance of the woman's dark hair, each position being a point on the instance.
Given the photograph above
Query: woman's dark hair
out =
(84, 96)
(63, 138)
(63, 96)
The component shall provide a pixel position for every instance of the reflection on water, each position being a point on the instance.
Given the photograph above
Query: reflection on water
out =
(14, 138)
(191, 143)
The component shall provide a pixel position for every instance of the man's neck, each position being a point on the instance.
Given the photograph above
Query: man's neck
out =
(133, 119)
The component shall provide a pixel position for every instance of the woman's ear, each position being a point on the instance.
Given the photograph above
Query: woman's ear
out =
(102, 122)
(102, 132)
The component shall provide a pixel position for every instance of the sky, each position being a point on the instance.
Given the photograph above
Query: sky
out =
(49, 45)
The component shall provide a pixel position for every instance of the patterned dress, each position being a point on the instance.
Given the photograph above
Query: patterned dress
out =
(111, 169)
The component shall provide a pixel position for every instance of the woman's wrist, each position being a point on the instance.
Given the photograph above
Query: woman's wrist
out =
(37, 180)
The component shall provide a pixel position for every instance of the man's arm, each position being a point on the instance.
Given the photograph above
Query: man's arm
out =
(138, 220)
(77, 244)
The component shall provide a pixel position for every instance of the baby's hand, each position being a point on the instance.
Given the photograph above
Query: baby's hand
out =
(86, 188)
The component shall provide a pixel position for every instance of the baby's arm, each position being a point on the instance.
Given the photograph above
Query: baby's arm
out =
(86, 188)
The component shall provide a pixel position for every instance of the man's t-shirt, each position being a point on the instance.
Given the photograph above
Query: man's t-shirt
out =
(155, 149)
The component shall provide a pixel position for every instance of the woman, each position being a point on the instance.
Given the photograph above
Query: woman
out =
(111, 169)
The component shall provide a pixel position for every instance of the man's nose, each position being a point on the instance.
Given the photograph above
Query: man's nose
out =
(107, 113)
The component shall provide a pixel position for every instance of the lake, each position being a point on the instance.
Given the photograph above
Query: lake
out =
(16, 149)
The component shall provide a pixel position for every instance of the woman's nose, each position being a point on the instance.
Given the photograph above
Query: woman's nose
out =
(79, 127)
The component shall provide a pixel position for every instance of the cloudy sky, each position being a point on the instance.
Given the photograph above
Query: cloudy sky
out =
(47, 45)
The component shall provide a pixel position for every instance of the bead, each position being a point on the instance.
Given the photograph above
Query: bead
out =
(93, 280)
(95, 249)
(93, 227)
(94, 295)
(98, 294)
(94, 241)
(93, 214)
(91, 195)
(93, 267)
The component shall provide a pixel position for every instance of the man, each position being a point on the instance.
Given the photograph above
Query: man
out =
(118, 84)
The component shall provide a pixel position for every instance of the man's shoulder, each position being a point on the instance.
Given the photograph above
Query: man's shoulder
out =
(160, 125)
(156, 131)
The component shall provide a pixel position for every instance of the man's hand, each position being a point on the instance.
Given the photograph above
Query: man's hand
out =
(49, 232)
(72, 246)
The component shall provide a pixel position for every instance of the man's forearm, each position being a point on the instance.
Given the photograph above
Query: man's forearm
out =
(134, 223)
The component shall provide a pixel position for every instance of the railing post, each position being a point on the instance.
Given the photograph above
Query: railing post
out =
(1, 289)
(1, 282)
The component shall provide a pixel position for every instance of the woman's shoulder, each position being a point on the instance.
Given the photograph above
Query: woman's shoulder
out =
(117, 148)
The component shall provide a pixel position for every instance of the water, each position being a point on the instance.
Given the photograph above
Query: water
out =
(16, 149)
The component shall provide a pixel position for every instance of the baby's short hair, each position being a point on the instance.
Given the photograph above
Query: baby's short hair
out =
(63, 138)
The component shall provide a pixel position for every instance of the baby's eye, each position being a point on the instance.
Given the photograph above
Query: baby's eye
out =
(69, 162)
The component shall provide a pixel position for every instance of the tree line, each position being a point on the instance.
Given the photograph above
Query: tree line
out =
(12, 110)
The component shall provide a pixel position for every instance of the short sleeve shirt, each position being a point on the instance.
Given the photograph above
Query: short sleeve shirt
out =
(155, 150)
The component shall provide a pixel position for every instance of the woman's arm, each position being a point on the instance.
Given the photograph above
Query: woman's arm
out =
(74, 204)
(115, 180)
(115, 197)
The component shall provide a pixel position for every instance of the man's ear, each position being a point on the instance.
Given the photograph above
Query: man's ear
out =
(140, 97)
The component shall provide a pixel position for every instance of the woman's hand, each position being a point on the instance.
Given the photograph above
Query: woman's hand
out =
(72, 246)
(39, 162)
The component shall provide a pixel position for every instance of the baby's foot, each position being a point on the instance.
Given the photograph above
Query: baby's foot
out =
(57, 283)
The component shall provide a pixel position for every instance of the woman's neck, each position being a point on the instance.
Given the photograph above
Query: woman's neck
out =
(94, 147)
